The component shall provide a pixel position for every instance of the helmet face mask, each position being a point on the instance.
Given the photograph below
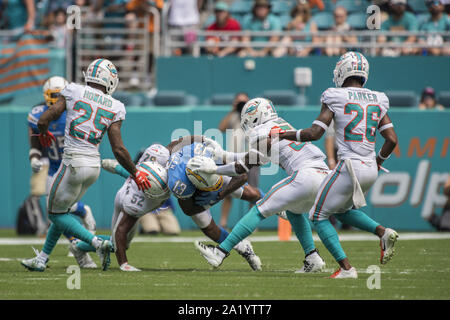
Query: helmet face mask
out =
(350, 64)
(52, 88)
(255, 112)
(104, 73)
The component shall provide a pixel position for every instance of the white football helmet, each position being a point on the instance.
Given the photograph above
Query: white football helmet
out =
(202, 180)
(255, 112)
(52, 88)
(103, 72)
(156, 152)
(350, 64)
(157, 176)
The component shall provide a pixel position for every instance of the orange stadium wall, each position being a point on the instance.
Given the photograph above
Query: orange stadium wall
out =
(401, 199)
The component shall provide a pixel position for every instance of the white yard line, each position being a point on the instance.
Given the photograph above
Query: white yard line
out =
(343, 237)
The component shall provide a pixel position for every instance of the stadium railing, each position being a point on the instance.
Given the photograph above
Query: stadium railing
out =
(107, 38)
(367, 40)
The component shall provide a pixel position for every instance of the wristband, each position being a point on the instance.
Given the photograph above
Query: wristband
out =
(297, 135)
(320, 124)
(381, 157)
(34, 151)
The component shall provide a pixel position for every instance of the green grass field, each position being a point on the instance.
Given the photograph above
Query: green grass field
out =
(420, 270)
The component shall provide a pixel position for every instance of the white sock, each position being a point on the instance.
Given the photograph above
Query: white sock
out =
(96, 242)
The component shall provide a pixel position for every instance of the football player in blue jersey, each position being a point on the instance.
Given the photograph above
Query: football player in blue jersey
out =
(51, 90)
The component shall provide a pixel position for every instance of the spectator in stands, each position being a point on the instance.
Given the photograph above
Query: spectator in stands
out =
(260, 20)
(436, 21)
(184, 15)
(428, 100)
(340, 25)
(59, 29)
(18, 14)
(224, 22)
(399, 20)
(301, 21)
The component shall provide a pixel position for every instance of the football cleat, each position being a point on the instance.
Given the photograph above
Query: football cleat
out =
(313, 263)
(35, 264)
(211, 253)
(104, 252)
(245, 249)
(88, 220)
(345, 274)
(84, 260)
(127, 267)
(387, 242)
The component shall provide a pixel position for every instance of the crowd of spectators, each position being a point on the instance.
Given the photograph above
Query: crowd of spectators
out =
(307, 16)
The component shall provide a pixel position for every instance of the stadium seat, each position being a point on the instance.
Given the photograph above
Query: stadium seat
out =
(222, 99)
(402, 98)
(128, 99)
(444, 98)
(280, 8)
(170, 98)
(418, 5)
(240, 7)
(324, 20)
(357, 20)
(353, 5)
(281, 97)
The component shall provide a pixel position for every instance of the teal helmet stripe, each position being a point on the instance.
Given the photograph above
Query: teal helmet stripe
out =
(155, 175)
(94, 71)
(358, 55)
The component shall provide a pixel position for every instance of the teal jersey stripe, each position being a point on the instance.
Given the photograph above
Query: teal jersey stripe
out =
(55, 186)
(155, 175)
(94, 71)
(276, 188)
(325, 190)
(359, 61)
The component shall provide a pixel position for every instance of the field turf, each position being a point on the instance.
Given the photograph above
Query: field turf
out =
(420, 270)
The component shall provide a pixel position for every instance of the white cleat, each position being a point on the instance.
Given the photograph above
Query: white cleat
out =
(212, 255)
(35, 264)
(104, 252)
(84, 260)
(387, 242)
(127, 267)
(313, 263)
(245, 249)
(88, 220)
(345, 274)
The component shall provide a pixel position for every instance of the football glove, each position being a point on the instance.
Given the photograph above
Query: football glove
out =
(198, 164)
(36, 164)
(110, 165)
(141, 180)
(46, 139)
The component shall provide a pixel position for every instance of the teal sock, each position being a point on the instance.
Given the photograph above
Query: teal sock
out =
(52, 237)
(358, 219)
(242, 229)
(302, 229)
(87, 247)
(330, 239)
(70, 225)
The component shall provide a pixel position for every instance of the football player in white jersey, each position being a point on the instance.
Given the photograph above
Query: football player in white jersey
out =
(358, 113)
(91, 112)
(303, 162)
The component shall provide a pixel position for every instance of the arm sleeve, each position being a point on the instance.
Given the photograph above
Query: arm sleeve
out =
(384, 104)
(121, 171)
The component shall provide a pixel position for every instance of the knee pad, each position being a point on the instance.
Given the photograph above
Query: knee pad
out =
(202, 219)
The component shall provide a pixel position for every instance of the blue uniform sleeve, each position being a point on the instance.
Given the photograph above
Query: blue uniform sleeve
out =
(33, 117)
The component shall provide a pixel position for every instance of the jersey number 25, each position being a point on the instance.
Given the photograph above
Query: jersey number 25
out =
(93, 136)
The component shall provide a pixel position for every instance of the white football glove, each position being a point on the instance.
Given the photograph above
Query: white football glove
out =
(215, 148)
(110, 165)
(36, 164)
(199, 164)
